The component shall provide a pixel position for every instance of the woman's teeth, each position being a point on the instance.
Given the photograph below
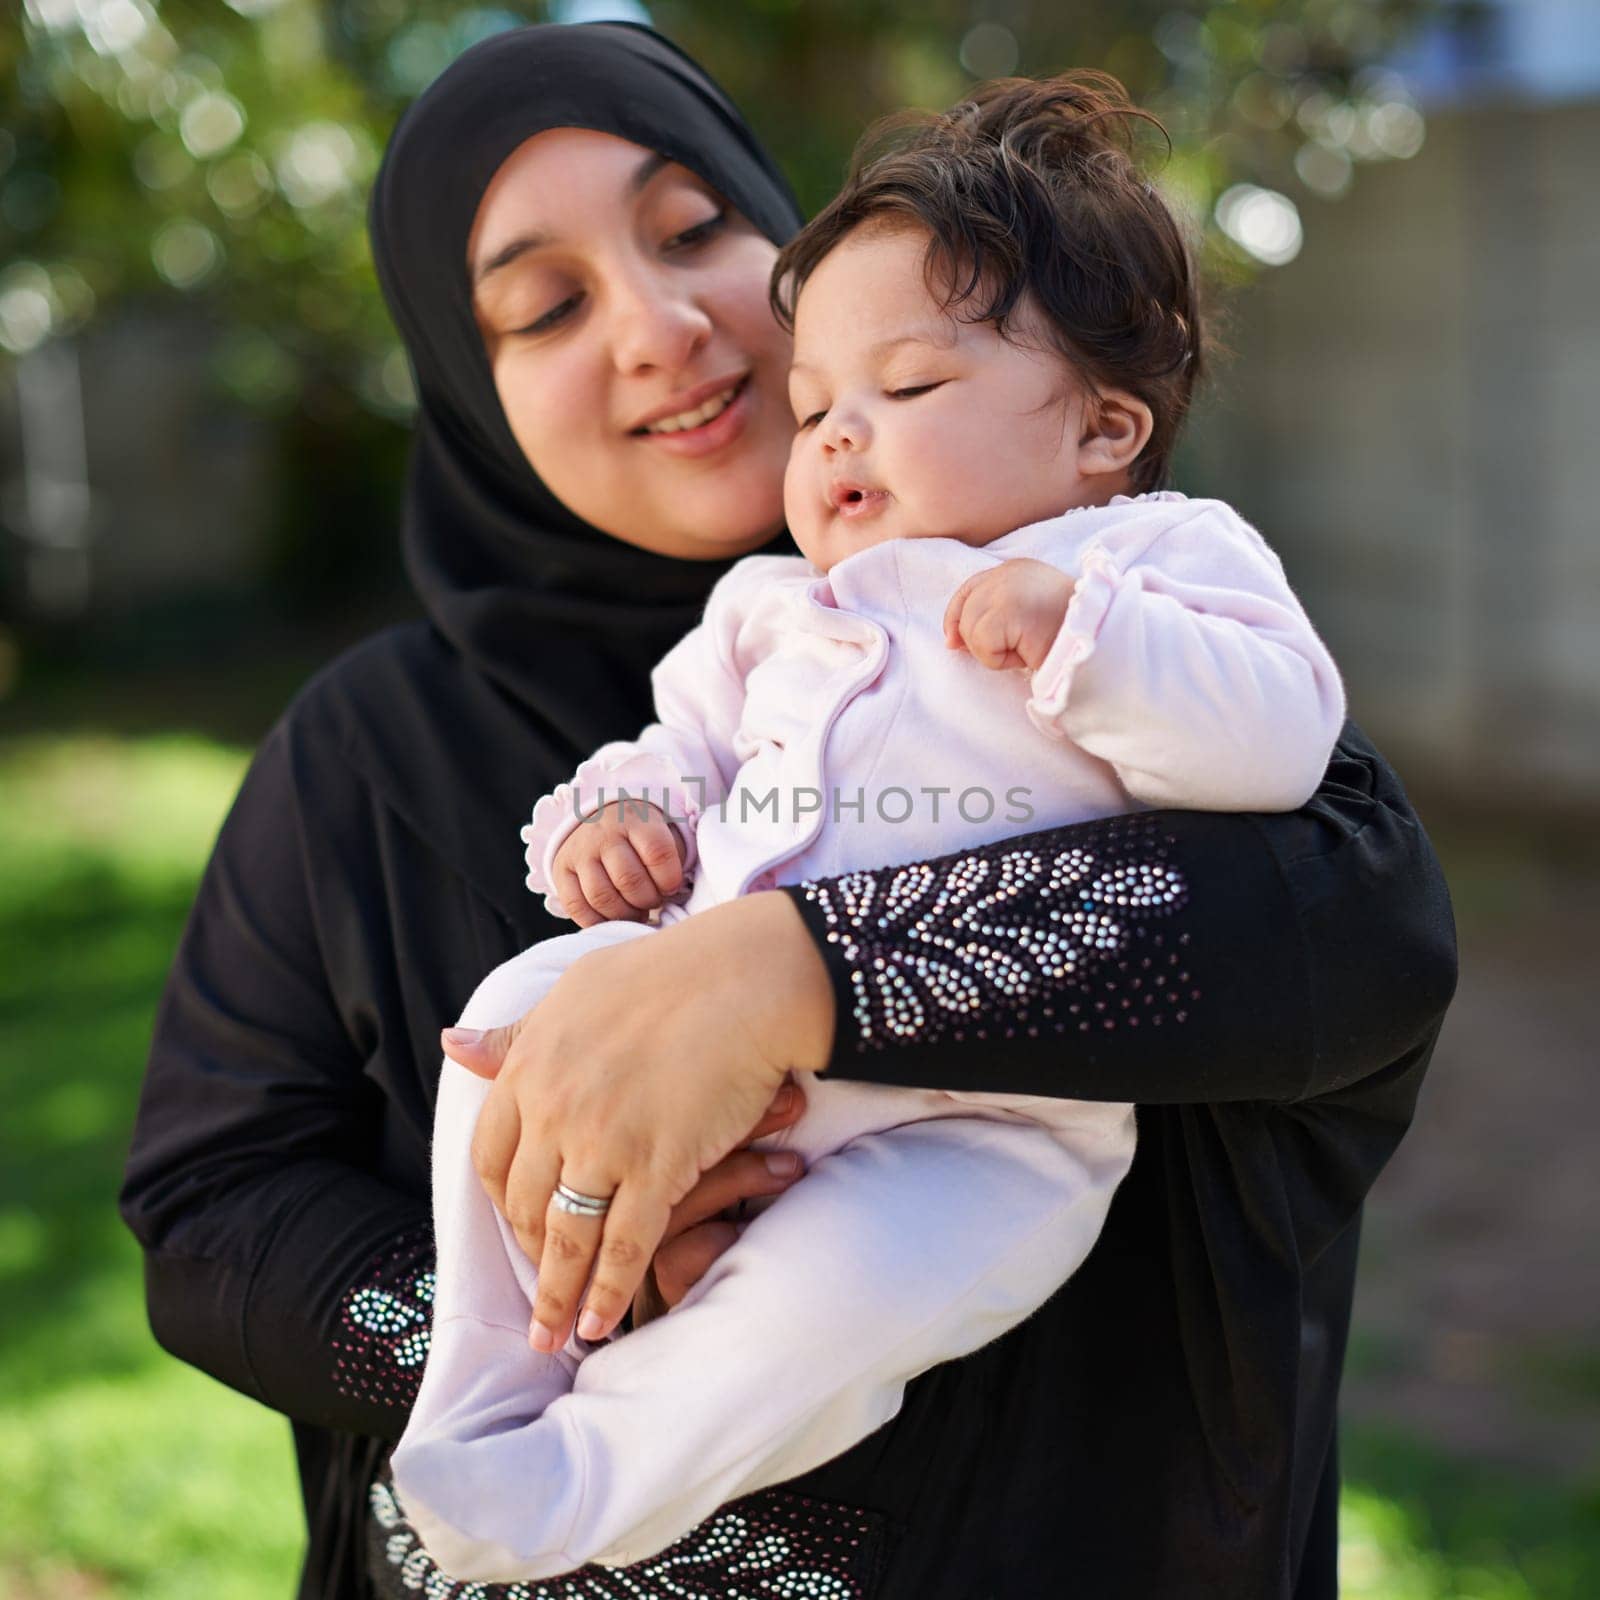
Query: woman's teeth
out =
(714, 407)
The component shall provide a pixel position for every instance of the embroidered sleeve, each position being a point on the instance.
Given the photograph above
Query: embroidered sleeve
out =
(384, 1325)
(1021, 936)
(1167, 957)
(772, 1544)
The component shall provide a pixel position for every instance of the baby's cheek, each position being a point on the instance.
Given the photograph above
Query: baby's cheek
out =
(801, 496)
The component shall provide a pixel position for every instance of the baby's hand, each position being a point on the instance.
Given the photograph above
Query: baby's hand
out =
(1010, 615)
(618, 864)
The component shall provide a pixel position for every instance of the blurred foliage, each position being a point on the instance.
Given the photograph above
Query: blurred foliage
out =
(223, 151)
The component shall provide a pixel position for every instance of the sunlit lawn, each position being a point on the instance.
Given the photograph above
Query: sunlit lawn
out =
(123, 1473)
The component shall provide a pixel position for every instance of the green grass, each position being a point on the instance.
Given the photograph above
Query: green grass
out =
(125, 1474)
(1417, 1525)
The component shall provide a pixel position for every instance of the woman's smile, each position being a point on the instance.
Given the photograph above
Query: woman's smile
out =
(703, 428)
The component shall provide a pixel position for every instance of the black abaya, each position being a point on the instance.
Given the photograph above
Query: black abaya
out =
(1163, 1428)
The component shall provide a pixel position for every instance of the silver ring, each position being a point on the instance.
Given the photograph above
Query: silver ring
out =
(579, 1205)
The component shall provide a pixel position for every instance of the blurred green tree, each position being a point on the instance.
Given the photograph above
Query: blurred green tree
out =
(222, 152)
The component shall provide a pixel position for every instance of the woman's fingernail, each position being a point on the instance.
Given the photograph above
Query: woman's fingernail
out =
(590, 1325)
(783, 1163)
(463, 1038)
(542, 1339)
(783, 1101)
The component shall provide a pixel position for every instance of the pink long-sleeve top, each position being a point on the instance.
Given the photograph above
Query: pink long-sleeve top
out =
(813, 724)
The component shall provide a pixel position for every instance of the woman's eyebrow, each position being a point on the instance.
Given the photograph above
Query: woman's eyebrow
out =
(508, 253)
(538, 238)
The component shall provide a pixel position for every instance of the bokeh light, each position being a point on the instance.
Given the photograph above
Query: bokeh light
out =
(113, 26)
(241, 184)
(186, 253)
(318, 162)
(210, 124)
(1262, 222)
(73, 298)
(26, 312)
(1326, 172)
(990, 50)
(1396, 129)
(54, 16)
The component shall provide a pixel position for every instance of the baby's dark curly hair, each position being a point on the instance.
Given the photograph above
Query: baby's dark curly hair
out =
(1033, 197)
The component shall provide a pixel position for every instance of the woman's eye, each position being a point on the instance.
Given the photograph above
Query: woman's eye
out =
(553, 317)
(698, 234)
(914, 390)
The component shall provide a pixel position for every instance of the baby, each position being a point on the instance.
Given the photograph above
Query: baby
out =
(995, 342)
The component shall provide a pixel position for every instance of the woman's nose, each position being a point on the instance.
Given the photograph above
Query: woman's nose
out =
(656, 326)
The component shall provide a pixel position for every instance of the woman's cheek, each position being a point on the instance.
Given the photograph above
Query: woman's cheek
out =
(740, 294)
(546, 404)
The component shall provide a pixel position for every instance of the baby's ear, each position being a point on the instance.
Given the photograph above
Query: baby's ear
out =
(1116, 427)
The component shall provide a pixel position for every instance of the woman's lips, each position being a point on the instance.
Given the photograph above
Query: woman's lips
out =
(710, 436)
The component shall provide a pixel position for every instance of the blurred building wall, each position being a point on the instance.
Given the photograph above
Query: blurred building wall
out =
(126, 479)
(1410, 417)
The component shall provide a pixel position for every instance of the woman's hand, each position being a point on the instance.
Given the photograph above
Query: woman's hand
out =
(649, 1063)
(618, 864)
(700, 1229)
(1009, 616)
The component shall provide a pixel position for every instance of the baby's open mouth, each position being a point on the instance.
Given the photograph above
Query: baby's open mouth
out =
(854, 500)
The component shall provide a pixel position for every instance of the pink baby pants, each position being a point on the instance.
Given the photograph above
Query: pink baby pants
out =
(927, 1224)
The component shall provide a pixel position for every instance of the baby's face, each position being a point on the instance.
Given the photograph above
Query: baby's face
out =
(912, 423)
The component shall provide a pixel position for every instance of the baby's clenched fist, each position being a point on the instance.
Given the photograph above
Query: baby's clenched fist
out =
(619, 863)
(1010, 615)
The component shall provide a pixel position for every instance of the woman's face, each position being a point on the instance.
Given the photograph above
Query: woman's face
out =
(624, 308)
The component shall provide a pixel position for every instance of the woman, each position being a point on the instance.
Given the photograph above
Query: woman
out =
(1165, 1426)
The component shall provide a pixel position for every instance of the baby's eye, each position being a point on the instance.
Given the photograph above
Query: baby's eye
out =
(915, 389)
(812, 420)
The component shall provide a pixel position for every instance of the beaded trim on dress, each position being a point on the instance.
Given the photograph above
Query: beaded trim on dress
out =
(385, 1324)
(768, 1546)
(1008, 939)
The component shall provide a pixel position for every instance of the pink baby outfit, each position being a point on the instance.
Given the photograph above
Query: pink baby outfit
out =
(811, 726)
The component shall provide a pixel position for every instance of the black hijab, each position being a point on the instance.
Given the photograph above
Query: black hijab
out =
(552, 626)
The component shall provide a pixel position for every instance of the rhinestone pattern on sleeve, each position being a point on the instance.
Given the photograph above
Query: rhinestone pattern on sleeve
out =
(768, 1546)
(1015, 938)
(385, 1323)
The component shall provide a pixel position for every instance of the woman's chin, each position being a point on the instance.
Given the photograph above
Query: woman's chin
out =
(703, 546)
(687, 511)
(712, 534)
(697, 541)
